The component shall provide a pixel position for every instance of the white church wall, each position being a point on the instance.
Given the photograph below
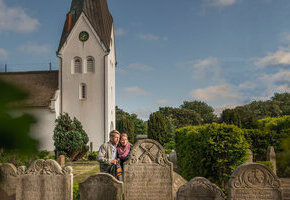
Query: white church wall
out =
(89, 111)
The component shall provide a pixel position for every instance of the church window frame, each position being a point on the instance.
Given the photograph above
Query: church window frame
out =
(83, 91)
(77, 65)
(90, 62)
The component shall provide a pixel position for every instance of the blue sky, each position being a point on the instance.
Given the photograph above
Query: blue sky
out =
(222, 52)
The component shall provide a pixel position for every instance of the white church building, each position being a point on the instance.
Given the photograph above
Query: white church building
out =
(84, 85)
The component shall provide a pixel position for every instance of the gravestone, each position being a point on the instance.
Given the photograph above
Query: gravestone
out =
(8, 181)
(254, 181)
(45, 180)
(61, 161)
(172, 157)
(250, 156)
(271, 156)
(148, 175)
(199, 188)
(178, 181)
(101, 186)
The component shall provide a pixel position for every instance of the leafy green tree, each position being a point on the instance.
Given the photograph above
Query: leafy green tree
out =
(231, 116)
(157, 127)
(181, 117)
(205, 111)
(69, 137)
(126, 125)
(283, 100)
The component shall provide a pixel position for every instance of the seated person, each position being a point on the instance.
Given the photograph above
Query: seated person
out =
(124, 149)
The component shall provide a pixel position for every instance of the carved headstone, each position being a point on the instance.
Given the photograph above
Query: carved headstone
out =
(254, 181)
(250, 156)
(8, 181)
(178, 181)
(101, 186)
(148, 174)
(61, 161)
(45, 180)
(172, 157)
(199, 188)
(271, 156)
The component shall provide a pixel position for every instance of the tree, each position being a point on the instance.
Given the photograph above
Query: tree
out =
(231, 116)
(126, 125)
(69, 137)
(205, 111)
(157, 127)
(283, 100)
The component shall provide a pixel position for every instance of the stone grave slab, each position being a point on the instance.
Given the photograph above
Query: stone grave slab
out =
(101, 186)
(254, 181)
(45, 180)
(199, 188)
(148, 175)
(8, 181)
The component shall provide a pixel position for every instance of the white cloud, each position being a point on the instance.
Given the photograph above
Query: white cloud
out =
(120, 32)
(3, 53)
(280, 57)
(136, 91)
(138, 66)
(151, 37)
(15, 19)
(247, 85)
(213, 93)
(120, 70)
(35, 49)
(285, 37)
(143, 113)
(219, 3)
(162, 102)
(206, 63)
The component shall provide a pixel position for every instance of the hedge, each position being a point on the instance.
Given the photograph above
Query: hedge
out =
(212, 151)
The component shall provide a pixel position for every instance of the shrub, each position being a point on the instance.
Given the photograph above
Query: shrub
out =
(212, 151)
(76, 194)
(93, 155)
(69, 137)
(267, 163)
(283, 161)
(157, 127)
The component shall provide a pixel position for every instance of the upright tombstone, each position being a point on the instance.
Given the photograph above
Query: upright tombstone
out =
(271, 156)
(8, 181)
(45, 180)
(199, 188)
(254, 181)
(172, 157)
(250, 156)
(148, 175)
(101, 186)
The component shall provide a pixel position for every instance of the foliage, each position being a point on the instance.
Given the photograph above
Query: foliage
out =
(230, 116)
(212, 151)
(14, 131)
(267, 163)
(205, 111)
(181, 117)
(283, 100)
(93, 155)
(125, 125)
(76, 194)
(259, 141)
(69, 137)
(157, 127)
(283, 161)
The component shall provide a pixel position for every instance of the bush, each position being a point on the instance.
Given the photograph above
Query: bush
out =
(69, 138)
(212, 151)
(283, 161)
(76, 194)
(267, 163)
(157, 128)
(93, 155)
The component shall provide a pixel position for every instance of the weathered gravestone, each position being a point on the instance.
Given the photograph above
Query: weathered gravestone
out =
(172, 157)
(271, 156)
(101, 186)
(254, 181)
(199, 188)
(45, 180)
(178, 181)
(8, 181)
(250, 156)
(148, 175)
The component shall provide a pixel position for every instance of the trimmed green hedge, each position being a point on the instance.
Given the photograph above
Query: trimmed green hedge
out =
(267, 163)
(212, 151)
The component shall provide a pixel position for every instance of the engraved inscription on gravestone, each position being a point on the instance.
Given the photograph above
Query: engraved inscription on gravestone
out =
(8, 181)
(254, 181)
(45, 180)
(101, 186)
(148, 175)
(200, 188)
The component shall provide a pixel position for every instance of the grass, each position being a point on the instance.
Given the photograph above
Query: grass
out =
(81, 171)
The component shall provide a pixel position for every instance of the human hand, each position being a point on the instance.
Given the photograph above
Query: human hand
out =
(114, 162)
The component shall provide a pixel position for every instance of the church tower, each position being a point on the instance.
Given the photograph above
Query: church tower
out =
(87, 62)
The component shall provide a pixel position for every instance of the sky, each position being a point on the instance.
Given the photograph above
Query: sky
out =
(222, 52)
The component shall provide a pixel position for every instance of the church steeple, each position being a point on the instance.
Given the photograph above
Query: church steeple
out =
(97, 13)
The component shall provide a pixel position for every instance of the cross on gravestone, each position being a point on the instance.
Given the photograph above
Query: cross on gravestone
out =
(254, 181)
(148, 175)
(199, 188)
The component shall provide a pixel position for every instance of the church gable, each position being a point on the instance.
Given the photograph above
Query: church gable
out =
(98, 15)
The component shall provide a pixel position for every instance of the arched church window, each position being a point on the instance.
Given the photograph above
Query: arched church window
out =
(77, 65)
(83, 91)
(90, 64)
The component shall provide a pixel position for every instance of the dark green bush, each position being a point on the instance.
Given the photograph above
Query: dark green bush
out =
(93, 155)
(212, 151)
(76, 194)
(157, 127)
(267, 163)
(69, 137)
